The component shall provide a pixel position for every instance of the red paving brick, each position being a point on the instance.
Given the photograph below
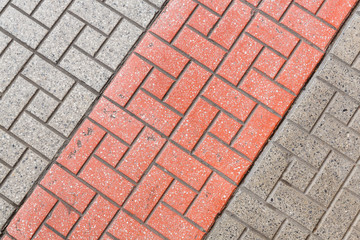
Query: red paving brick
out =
(180, 123)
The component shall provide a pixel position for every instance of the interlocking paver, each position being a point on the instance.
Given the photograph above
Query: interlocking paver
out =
(11, 149)
(90, 40)
(42, 105)
(50, 10)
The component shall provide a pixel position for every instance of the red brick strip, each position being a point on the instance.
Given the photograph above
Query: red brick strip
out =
(179, 126)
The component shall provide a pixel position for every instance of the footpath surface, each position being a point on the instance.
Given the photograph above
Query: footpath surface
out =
(163, 150)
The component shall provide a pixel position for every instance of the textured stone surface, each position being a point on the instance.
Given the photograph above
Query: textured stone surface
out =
(6, 210)
(226, 228)
(11, 149)
(90, 40)
(42, 105)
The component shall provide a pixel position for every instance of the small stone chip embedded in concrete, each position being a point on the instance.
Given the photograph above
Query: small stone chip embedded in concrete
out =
(226, 228)
(291, 231)
(22, 27)
(42, 105)
(14, 100)
(27, 6)
(85, 69)
(353, 182)
(255, 213)
(11, 149)
(267, 171)
(299, 174)
(342, 108)
(90, 40)
(138, 10)
(60, 37)
(37, 135)
(96, 14)
(120, 42)
(50, 10)
(251, 235)
(6, 210)
(72, 109)
(4, 170)
(11, 62)
(4, 41)
(48, 77)
(341, 215)
(339, 136)
(26, 172)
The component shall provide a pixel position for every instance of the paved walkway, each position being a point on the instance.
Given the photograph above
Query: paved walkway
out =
(160, 154)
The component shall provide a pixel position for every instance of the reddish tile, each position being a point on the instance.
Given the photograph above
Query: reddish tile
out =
(269, 63)
(256, 132)
(275, 8)
(67, 188)
(184, 166)
(218, 6)
(94, 222)
(172, 226)
(31, 214)
(81, 146)
(335, 11)
(210, 201)
(6, 237)
(154, 113)
(127, 80)
(116, 120)
(125, 227)
(111, 150)
(225, 128)
(106, 180)
(161, 55)
(172, 18)
(199, 48)
(158, 83)
(229, 98)
(106, 237)
(308, 26)
(45, 234)
(62, 219)
(203, 20)
(222, 158)
(179, 197)
(194, 124)
(254, 2)
(141, 154)
(267, 92)
(187, 87)
(239, 59)
(299, 67)
(311, 5)
(273, 35)
(148, 193)
(231, 24)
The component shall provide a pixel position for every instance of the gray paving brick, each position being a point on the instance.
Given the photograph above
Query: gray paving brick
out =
(11, 149)
(26, 172)
(50, 10)
(27, 6)
(96, 14)
(296, 205)
(338, 136)
(4, 41)
(42, 105)
(299, 174)
(37, 135)
(226, 228)
(60, 37)
(255, 213)
(14, 100)
(11, 62)
(3, 3)
(251, 235)
(6, 209)
(354, 235)
(90, 40)
(357, 63)
(48, 77)
(85, 69)
(355, 122)
(291, 231)
(120, 42)
(137, 10)
(4, 170)
(22, 27)
(354, 182)
(357, 222)
(340, 217)
(342, 107)
(267, 172)
(72, 109)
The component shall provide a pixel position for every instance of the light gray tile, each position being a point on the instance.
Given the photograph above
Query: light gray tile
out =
(11, 149)
(42, 105)
(50, 10)
(90, 40)
(27, 6)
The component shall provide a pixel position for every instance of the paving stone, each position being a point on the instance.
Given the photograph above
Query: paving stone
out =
(342, 107)
(357, 63)
(27, 171)
(22, 27)
(251, 235)
(339, 218)
(354, 235)
(296, 205)
(255, 213)
(96, 14)
(85, 69)
(11, 62)
(48, 77)
(3, 171)
(14, 100)
(37, 135)
(42, 105)
(27, 6)
(6, 210)
(353, 182)
(11, 149)
(72, 109)
(226, 228)
(90, 40)
(138, 10)
(50, 10)
(120, 42)
(4, 41)
(4, 2)
(291, 231)
(355, 122)
(60, 37)
(338, 136)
